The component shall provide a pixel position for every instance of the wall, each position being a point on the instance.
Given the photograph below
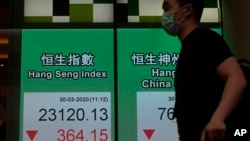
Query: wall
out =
(236, 26)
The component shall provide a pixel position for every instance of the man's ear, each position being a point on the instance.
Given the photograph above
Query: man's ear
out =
(188, 9)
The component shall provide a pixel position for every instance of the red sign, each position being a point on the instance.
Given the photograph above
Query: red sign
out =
(31, 134)
(149, 133)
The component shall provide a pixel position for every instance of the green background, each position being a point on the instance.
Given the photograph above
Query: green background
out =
(129, 76)
(98, 42)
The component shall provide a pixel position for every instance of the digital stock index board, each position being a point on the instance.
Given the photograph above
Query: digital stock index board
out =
(78, 85)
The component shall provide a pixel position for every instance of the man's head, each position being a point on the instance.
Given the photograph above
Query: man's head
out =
(198, 6)
(180, 17)
(193, 8)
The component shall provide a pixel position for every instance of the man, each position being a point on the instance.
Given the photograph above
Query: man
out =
(209, 82)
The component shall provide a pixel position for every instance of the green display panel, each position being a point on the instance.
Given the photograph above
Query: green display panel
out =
(68, 11)
(141, 11)
(67, 85)
(146, 71)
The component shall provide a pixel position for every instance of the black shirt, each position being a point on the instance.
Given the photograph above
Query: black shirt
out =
(198, 87)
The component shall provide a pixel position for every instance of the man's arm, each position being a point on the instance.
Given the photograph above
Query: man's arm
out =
(230, 71)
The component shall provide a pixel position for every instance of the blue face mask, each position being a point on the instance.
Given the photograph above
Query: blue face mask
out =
(169, 25)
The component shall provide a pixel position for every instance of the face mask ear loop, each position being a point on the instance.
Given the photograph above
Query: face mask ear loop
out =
(182, 19)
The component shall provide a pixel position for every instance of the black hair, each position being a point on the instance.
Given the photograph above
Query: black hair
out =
(198, 6)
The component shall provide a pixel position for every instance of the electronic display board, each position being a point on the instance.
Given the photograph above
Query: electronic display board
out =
(68, 11)
(67, 85)
(74, 76)
(146, 69)
(150, 11)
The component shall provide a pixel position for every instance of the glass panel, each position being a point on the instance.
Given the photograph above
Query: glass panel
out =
(68, 11)
(148, 11)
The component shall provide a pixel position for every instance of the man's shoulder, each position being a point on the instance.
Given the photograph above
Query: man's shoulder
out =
(199, 35)
(207, 36)
(207, 32)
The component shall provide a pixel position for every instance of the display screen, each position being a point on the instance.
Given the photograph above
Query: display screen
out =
(98, 74)
(150, 11)
(67, 85)
(102, 11)
(68, 11)
(146, 71)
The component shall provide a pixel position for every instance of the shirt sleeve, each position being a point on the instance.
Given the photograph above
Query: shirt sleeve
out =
(218, 52)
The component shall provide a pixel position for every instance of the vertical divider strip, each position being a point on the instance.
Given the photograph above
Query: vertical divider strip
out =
(115, 70)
